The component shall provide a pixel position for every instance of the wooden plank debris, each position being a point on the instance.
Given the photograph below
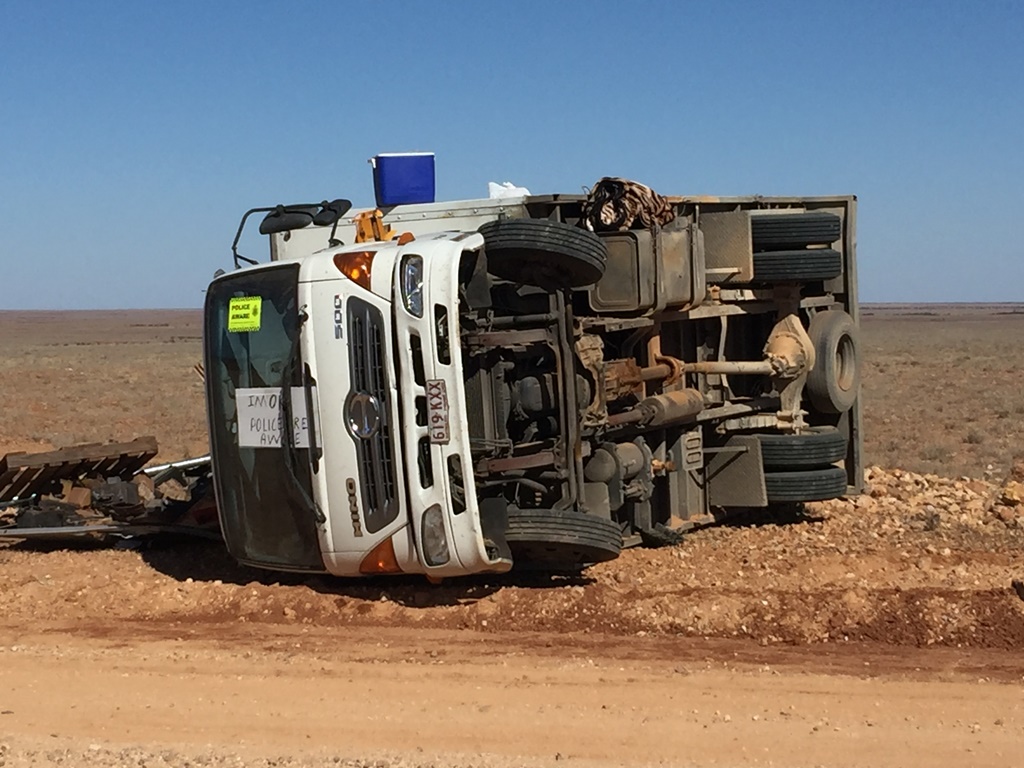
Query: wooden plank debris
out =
(27, 474)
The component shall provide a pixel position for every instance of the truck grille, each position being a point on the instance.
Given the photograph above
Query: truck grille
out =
(375, 453)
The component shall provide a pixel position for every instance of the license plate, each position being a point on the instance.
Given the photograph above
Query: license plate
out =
(437, 411)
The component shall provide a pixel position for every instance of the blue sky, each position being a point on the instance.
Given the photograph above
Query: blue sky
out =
(133, 135)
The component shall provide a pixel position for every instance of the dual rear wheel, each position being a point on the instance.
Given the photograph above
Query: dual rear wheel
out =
(801, 467)
(795, 247)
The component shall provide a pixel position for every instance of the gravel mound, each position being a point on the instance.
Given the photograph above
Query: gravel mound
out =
(918, 560)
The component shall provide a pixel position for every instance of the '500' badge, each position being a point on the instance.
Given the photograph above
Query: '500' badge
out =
(338, 317)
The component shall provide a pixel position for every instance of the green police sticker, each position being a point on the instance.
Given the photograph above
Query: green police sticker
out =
(244, 314)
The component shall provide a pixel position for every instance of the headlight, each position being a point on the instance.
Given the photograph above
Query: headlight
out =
(435, 541)
(411, 280)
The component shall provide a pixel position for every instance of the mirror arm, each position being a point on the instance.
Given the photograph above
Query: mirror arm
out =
(238, 235)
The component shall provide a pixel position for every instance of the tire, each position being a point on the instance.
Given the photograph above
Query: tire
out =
(794, 230)
(561, 538)
(797, 266)
(806, 485)
(545, 254)
(813, 448)
(833, 384)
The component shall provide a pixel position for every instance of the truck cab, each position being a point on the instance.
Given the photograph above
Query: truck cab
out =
(484, 384)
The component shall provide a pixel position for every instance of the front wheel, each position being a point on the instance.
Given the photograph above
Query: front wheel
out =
(544, 254)
(561, 538)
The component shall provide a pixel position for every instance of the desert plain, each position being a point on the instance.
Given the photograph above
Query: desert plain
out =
(876, 630)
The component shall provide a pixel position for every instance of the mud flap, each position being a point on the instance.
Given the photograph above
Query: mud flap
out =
(735, 475)
(493, 523)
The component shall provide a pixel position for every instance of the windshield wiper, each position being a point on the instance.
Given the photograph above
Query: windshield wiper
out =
(308, 385)
(291, 451)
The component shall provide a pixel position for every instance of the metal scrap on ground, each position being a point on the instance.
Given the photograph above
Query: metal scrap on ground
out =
(104, 490)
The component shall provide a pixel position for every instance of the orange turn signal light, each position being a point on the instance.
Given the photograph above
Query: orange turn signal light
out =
(381, 559)
(355, 266)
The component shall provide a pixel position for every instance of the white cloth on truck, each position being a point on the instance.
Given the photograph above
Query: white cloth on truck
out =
(507, 189)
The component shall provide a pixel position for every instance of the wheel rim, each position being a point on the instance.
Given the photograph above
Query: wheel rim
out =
(846, 363)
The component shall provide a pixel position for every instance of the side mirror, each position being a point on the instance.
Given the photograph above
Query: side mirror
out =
(330, 212)
(285, 218)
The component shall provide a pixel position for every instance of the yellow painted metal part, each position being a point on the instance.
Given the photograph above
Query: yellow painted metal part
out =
(370, 227)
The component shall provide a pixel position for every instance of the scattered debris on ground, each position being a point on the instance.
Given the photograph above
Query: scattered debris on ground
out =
(104, 491)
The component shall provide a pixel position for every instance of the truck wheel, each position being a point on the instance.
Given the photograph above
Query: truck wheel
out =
(545, 254)
(797, 266)
(561, 538)
(806, 484)
(794, 230)
(814, 447)
(834, 382)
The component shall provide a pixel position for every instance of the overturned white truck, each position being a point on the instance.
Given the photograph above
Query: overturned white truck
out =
(457, 388)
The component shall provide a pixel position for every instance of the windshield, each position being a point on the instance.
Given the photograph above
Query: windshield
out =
(264, 482)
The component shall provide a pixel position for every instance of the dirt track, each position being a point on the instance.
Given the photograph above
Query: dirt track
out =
(230, 695)
(880, 630)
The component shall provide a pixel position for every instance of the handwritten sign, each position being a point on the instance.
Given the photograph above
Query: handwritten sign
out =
(244, 314)
(261, 419)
